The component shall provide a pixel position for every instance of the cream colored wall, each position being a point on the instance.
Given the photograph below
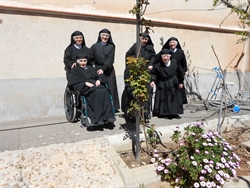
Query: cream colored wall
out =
(35, 45)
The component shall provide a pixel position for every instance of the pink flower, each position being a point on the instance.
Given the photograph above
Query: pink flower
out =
(222, 182)
(194, 163)
(217, 176)
(196, 184)
(203, 184)
(166, 171)
(209, 185)
(202, 178)
(203, 171)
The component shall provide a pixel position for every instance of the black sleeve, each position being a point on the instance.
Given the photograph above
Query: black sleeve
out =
(129, 53)
(68, 61)
(102, 78)
(126, 75)
(76, 80)
(154, 74)
(110, 58)
(152, 59)
(183, 62)
(180, 73)
(92, 54)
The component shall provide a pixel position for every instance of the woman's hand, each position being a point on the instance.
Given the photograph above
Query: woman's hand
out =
(100, 71)
(180, 86)
(150, 67)
(89, 84)
(152, 84)
(73, 65)
(97, 83)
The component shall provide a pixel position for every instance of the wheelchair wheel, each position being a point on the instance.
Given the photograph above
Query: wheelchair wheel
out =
(69, 106)
(85, 121)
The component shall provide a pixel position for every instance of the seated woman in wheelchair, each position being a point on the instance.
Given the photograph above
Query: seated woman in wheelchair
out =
(85, 80)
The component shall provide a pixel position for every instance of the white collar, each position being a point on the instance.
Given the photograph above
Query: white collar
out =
(78, 46)
(168, 63)
(174, 50)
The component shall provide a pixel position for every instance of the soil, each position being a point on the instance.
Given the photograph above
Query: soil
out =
(234, 137)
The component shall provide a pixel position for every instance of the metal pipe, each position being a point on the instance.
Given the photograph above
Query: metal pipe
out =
(137, 122)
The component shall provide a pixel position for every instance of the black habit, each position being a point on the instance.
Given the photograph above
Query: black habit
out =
(148, 53)
(99, 106)
(102, 57)
(71, 52)
(180, 57)
(168, 100)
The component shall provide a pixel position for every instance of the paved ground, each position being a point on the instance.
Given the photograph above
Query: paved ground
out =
(50, 152)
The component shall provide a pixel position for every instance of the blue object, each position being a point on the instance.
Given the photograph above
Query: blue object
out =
(236, 108)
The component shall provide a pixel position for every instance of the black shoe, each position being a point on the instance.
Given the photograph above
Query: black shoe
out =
(176, 116)
(111, 120)
(100, 123)
(169, 117)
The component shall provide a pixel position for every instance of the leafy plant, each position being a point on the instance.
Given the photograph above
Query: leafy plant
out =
(153, 137)
(201, 160)
(139, 79)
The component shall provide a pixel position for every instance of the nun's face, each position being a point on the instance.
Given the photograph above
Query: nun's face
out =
(172, 44)
(78, 39)
(165, 57)
(144, 40)
(82, 62)
(104, 37)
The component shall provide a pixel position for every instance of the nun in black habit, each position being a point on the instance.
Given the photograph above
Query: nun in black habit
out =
(168, 77)
(77, 45)
(147, 52)
(102, 58)
(178, 54)
(85, 79)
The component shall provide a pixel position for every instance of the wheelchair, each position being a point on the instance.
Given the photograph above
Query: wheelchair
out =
(75, 106)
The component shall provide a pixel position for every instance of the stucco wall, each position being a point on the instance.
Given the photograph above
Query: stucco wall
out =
(32, 46)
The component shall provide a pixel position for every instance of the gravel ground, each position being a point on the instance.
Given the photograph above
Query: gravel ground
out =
(84, 164)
